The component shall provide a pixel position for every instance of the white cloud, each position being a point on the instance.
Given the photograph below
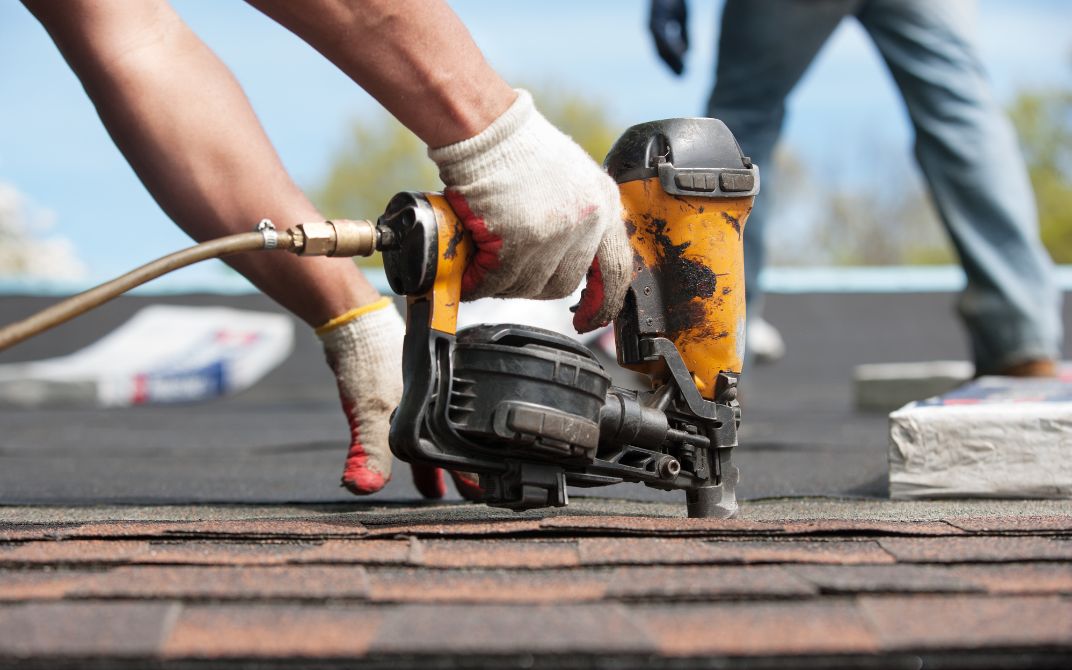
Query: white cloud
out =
(26, 250)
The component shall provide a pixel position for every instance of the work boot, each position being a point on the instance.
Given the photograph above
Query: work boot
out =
(1037, 367)
(363, 347)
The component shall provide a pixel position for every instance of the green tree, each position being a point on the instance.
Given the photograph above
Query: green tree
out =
(380, 157)
(830, 216)
(1043, 120)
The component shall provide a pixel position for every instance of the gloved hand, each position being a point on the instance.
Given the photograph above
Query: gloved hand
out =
(669, 25)
(364, 349)
(539, 210)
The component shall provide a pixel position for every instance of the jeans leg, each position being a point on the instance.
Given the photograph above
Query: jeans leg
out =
(764, 48)
(973, 165)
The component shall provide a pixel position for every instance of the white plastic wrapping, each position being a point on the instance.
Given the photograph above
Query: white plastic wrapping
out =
(994, 438)
(162, 354)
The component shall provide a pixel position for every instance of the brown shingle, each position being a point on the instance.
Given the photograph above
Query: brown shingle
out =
(887, 578)
(669, 551)
(272, 631)
(976, 549)
(504, 629)
(363, 551)
(74, 552)
(268, 528)
(642, 525)
(767, 629)
(705, 583)
(84, 628)
(22, 585)
(225, 583)
(457, 528)
(186, 583)
(661, 526)
(213, 528)
(496, 553)
(486, 586)
(1020, 578)
(969, 621)
(1014, 524)
(119, 552)
(1005, 578)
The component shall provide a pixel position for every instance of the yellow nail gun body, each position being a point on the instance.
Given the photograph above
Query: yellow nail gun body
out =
(533, 411)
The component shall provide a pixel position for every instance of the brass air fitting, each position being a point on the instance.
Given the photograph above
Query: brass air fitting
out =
(341, 237)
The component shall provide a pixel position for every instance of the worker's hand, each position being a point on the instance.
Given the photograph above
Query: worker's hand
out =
(669, 25)
(539, 210)
(364, 349)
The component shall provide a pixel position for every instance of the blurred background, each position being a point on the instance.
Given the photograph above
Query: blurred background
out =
(853, 221)
(594, 71)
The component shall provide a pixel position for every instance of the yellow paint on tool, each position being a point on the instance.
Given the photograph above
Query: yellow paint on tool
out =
(692, 245)
(452, 257)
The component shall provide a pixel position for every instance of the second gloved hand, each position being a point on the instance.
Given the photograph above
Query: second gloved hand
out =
(669, 26)
(541, 212)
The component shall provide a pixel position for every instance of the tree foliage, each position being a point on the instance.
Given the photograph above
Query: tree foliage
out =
(1043, 120)
(833, 216)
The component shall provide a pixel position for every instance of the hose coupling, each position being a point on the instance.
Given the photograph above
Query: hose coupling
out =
(340, 237)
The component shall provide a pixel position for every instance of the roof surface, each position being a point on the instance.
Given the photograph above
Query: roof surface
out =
(602, 584)
(214, 534)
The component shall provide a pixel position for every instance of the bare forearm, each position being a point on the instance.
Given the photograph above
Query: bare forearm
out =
(185, 126)
(176, 113)
(414, 56)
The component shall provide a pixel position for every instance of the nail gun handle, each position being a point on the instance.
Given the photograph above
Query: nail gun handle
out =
(455, 251)
(428, 255)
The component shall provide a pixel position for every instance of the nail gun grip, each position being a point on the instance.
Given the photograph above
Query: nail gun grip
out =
(455, 252)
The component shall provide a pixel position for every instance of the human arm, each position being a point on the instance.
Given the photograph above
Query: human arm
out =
(538, 206)
(184, 124)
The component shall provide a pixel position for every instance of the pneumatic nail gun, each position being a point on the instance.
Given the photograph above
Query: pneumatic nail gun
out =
(532, 411)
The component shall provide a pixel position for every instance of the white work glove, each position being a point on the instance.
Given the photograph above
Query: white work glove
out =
(364, 349)
(542, 214)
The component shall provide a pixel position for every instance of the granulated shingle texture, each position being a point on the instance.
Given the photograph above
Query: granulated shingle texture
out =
(586, 589)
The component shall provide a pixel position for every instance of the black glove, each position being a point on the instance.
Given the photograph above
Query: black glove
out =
(669, 26)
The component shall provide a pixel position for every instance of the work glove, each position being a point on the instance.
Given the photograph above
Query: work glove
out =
(364, 349)
(669, 25)
(542, 214)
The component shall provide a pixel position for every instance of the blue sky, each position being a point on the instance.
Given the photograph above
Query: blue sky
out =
(54, 150)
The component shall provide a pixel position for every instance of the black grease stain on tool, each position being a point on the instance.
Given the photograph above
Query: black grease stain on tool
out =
(688, 203)
(733, 221)
(681, 281)
(452, 244)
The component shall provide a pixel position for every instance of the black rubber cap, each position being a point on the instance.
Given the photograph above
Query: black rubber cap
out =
(688, 143)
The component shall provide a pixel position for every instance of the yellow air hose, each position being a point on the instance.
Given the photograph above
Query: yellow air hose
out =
(323, 238)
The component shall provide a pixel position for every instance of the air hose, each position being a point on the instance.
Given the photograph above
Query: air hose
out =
(321, 238)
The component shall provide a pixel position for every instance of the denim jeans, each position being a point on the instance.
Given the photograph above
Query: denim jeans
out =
(963, 142)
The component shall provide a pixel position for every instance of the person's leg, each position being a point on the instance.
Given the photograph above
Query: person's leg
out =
(970, 157)
(764, 48)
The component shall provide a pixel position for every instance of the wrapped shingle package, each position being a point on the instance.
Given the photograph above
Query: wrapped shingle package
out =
(996, 437)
